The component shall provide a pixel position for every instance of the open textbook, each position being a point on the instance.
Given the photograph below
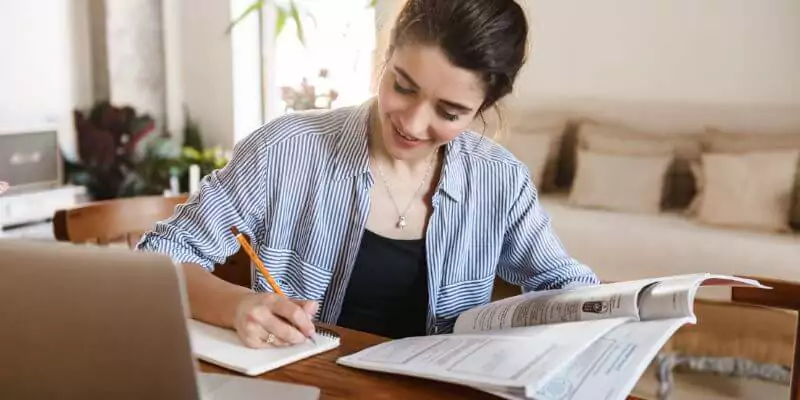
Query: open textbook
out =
(582, 343)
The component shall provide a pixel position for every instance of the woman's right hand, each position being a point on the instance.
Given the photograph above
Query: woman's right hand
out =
(260, 314)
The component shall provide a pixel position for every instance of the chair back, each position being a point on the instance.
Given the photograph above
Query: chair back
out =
(113, 221)
(783, 295)
(124, 221)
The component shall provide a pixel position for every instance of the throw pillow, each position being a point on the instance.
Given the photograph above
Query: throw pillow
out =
(617, 182)
(515, 122)
(533, 150)
(718, 141)
(747, 190)
(555, 126)
(679, 186)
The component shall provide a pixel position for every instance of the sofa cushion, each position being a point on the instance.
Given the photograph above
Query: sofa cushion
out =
(679, 184)
(553, 125)
(749, 190)
(534, 150)
(630, 183)
(719, 141)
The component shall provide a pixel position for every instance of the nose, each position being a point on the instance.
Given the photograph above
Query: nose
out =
(416, 121)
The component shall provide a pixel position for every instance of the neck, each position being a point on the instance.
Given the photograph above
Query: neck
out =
(378, 153)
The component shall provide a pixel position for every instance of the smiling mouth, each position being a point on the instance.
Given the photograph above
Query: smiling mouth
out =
(404, 136)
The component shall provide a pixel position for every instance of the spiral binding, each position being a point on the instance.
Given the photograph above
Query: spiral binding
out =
(325, 332)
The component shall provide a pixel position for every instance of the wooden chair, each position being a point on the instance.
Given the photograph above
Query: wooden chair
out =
(124, 221)
(784, 295)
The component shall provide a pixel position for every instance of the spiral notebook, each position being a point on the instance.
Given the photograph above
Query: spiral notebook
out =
(223, 347)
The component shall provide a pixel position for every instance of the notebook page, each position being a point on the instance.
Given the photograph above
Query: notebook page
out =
(223, 347)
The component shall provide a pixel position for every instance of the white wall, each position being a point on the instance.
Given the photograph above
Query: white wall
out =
(45, 72)
(216, 76)
(698, 51)
(173, 68)
(673, 65)
(207, 68)
(135, 49)
(47, 69)
(385, 13)
(246, 59)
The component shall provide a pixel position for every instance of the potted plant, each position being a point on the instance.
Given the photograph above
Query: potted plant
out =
(111, 139)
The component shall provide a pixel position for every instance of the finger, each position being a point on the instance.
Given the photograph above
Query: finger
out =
(275, 341)
(253, 335)
(282, 329)
(295, 315)
(309, 306)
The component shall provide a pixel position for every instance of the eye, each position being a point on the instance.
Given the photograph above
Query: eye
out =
(401, 89)
(448, 116)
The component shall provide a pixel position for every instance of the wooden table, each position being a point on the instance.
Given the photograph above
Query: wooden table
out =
(339, 382)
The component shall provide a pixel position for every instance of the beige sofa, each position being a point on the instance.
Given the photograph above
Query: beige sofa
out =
(654, 224)
(663, 189)
(623, 246)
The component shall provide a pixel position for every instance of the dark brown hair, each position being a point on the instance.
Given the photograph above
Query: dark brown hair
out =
(488, 37)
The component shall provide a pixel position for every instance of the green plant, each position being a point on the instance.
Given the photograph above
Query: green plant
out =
(191, 132)
(284, 12)
(111, 142)
(153, 170)
(121, 155)
(194, 152)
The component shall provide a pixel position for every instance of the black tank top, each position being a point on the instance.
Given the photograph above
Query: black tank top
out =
(388, 290)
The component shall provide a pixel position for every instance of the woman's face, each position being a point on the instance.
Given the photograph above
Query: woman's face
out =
(424, 101)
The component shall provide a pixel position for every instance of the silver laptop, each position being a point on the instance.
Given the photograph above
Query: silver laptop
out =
(87, 322)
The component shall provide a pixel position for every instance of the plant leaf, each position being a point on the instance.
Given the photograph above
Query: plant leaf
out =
(249, 10)
(296, 17)
(281, 20)
(372, 3)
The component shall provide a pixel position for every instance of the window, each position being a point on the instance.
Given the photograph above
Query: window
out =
(335, 66)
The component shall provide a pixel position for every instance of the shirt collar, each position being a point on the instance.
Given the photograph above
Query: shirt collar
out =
(352, 153)
(453, 178)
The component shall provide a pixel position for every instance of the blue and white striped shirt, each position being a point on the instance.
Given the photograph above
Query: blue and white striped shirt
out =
(299, 189)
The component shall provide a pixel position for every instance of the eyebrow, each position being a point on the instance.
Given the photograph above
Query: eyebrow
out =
(448, 103)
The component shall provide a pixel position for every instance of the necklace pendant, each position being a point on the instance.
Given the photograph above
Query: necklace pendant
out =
(401, 223)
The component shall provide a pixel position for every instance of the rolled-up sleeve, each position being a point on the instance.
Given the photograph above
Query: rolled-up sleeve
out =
(532, 255)
(199, 231)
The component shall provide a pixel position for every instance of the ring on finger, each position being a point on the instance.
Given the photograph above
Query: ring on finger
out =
(270, 339)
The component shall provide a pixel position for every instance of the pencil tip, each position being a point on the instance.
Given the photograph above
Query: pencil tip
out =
(234, 230)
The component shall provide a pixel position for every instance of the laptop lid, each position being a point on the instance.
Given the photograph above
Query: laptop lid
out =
(83, 322)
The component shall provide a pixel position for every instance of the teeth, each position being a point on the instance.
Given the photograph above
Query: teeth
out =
(406, 137)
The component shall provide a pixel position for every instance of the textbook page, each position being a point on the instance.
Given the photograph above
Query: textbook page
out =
(612, 300)
(673, 297)
(609, 368)
(516, 359)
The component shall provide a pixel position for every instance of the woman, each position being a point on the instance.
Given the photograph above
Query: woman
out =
(390, 217)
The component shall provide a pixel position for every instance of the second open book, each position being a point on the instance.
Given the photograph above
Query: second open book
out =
(590, 342)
